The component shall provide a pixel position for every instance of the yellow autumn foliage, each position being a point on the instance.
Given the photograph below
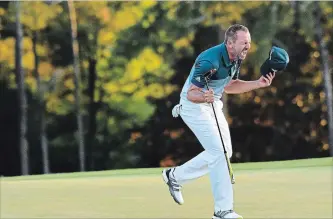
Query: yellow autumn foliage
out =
(7, 48)
(69, 84)
(147, 62)
(54, 105)
(147, 4)
(141, 94)
(130, 87)
(35, 14)
(7, 54)
(182, 42)
(155, 90)
(106, 37)
(45, 70)
(31, 82)
(2, 12)
(70, 98)
(116, 98)
(229, 12)
(171, 8)
(126, 18)
(112, 87)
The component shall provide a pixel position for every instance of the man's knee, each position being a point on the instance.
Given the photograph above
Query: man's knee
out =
(218, 154)
(219, 150)
(215, 155)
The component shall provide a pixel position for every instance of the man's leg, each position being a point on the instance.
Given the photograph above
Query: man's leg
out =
(224, 127)
(220, 212)
(200, 119)
(194, 168)
(198, 166)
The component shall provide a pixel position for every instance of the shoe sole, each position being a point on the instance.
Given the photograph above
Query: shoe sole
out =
(166, 180)
(225, 218)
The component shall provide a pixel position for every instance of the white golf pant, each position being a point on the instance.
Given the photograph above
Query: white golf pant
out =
(201, 120)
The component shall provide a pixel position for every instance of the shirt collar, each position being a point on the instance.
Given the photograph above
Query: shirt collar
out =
(225, 57)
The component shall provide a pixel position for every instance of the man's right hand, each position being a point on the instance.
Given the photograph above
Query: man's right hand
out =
(209, 95)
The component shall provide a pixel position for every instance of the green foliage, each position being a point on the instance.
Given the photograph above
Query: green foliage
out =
(143, 53)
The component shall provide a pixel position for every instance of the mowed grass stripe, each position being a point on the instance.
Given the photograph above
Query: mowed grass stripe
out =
(314, 162)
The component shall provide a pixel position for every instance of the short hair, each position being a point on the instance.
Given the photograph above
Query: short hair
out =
(231, 33)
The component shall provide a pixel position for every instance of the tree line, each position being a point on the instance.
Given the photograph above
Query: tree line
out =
(90, 85)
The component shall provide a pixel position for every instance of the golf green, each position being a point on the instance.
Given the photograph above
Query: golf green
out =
(285, 189)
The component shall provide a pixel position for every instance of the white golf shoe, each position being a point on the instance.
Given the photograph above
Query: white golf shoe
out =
(227, 214)
(174, 187)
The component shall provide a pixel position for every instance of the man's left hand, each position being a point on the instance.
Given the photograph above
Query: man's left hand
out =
(265, 81)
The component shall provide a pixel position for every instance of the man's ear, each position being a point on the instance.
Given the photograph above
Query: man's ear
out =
(229, 44)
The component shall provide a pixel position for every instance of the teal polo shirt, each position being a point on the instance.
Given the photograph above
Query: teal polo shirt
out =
(213, 58)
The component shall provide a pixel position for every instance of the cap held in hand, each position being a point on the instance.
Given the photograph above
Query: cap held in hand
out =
(277, 61)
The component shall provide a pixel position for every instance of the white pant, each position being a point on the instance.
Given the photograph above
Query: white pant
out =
(200, 119)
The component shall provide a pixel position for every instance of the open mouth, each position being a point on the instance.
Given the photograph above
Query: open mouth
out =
(244, 52)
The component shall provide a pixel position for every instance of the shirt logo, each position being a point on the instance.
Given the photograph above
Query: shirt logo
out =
(197, 78)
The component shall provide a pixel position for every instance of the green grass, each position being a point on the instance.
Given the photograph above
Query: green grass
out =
(288, 189)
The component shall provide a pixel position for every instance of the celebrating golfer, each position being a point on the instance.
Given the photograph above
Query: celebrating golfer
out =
(221, 63)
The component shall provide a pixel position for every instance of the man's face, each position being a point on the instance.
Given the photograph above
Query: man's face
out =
(241, 46)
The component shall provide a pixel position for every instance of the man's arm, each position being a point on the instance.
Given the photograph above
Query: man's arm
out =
(240, 86)
(195, 92)
(196, 95)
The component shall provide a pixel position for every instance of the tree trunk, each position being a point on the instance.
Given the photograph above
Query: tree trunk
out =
(41, 109)
(24, 147)
(297, 15)
(75, 47)
(92, 113)
(326, 71)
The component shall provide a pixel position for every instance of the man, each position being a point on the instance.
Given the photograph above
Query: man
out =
(196, 111)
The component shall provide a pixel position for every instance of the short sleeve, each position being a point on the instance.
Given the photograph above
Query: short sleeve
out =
(200, 68)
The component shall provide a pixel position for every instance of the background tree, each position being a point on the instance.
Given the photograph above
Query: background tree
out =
(24, 146)
(77, 75)
(134, 58)
(321, 37)
(36, 16)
